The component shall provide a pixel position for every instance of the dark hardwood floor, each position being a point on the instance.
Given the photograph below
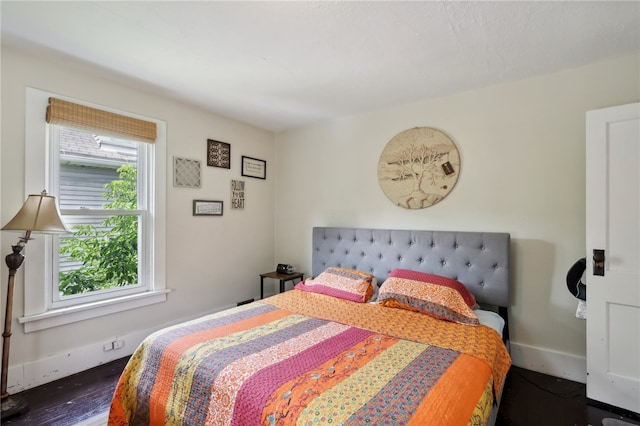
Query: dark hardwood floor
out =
(532, 399)
(70, 400)
(529, 399)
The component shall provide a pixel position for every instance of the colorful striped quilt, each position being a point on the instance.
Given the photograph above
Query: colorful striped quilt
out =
(310, 359)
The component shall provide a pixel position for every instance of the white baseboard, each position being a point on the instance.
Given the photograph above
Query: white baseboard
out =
(547, 361)
(45, 370)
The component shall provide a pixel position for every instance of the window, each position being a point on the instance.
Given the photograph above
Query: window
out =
(110, 188)
(102, 200)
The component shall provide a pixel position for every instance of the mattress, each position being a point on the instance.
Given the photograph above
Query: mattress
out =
(307, 358)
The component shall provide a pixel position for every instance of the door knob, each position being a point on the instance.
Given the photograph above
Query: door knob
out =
(598, 262)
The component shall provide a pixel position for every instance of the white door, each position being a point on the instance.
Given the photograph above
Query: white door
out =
(613, 225)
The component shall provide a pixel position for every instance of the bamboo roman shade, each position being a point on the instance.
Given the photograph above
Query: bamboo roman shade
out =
(102, 122)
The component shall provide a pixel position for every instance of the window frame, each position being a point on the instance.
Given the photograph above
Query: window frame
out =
(38, 271)
(145, 252)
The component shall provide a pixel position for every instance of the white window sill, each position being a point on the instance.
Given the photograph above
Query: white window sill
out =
(56, 317)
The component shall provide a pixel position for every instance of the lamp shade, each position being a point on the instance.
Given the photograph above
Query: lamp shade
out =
(38, 214)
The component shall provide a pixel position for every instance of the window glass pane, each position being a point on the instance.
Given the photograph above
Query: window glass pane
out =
(97, 174)
(102, 254)
(88, 163)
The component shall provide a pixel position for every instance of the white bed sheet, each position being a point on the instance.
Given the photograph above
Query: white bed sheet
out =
(490, 319)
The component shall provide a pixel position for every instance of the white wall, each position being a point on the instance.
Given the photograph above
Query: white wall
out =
(523, 172)
(212, 262)
(522, 150)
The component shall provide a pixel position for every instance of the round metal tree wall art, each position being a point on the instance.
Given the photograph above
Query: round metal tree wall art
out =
(418, 167)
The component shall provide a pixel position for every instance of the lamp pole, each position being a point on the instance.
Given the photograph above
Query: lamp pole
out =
(38, 214)
(14, 260)
(11, 405)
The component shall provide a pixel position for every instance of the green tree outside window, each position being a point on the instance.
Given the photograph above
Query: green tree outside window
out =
(109, 256)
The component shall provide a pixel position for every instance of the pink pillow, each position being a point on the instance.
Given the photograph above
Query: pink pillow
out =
(409, 274)
(343, 283)
(438, 301)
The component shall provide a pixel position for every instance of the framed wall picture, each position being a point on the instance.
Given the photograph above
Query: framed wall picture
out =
(207, 208)
(253, 167)
(186, 173)
(218, 154)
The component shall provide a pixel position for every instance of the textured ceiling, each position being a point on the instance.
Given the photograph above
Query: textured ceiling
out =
(282, 65)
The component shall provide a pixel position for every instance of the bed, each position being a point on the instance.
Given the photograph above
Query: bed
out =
(419, 350)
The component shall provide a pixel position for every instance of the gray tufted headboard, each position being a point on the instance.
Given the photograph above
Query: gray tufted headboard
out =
(479, 260)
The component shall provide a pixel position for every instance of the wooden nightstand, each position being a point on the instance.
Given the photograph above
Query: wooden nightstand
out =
(281, 277)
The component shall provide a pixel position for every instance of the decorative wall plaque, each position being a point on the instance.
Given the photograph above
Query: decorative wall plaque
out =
(237, 194)
(418, 167)
(253, 167)
(218, 154)
(186, 173)
(207, 208)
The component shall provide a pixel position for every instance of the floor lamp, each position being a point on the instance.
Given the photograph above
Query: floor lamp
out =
(38, 214)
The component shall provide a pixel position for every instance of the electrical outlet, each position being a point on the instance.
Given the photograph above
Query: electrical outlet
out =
(107, 346)
(118, 344)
